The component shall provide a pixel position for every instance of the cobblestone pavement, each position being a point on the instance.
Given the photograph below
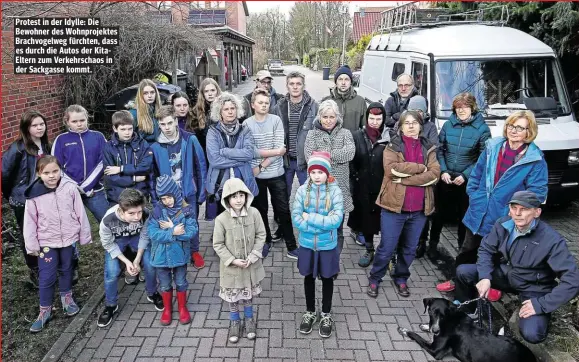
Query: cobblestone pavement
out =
(365, 328)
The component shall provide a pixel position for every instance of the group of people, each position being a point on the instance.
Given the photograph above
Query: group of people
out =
(384, 164)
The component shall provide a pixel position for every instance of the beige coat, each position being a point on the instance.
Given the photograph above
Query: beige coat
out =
(240, 237)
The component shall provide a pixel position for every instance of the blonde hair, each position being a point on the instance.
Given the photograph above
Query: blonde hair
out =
(198, 120)
(532, 128)
(144, 120)
(220, 101)
(309, 188)
(75, 108)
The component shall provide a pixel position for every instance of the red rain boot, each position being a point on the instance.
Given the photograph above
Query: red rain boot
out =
(184, 316)
(168, 302)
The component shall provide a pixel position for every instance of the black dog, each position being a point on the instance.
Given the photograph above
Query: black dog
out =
(457, 334)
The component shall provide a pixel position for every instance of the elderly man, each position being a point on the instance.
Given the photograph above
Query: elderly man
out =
(263, 79)
(398, 101)
(523, 255)
(352, 106)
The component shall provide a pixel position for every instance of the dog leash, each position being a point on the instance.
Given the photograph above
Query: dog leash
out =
(481, 302)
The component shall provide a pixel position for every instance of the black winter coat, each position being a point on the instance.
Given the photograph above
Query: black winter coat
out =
(394, 107)
(18, 172)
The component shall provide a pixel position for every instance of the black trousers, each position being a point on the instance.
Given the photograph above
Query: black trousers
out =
(279, 200)
(451, 204)
(31, 260)
(327, 293)
(469, 251)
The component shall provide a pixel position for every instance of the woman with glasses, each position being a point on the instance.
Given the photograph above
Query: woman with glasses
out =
(509, 163)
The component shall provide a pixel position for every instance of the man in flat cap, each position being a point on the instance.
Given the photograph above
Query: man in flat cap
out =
(523, 255)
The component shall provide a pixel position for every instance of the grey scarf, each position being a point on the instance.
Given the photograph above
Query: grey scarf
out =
(231, 129)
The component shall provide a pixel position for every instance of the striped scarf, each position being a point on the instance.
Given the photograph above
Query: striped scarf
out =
(507, 158)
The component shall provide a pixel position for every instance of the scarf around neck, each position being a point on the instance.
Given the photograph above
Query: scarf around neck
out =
(297, 107)
(232, 128)
(373, 133)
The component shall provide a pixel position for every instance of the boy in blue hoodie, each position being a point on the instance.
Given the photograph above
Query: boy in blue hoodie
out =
(171, 229)
(179, 154)
(127, 159)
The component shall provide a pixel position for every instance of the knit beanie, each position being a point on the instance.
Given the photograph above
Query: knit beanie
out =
(417, 103)
(344, 69)
(320, 160)
(166, 186)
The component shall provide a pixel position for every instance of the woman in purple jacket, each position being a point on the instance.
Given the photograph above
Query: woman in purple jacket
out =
(54, 219)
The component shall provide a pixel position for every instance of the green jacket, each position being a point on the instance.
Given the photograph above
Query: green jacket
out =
(352, 107)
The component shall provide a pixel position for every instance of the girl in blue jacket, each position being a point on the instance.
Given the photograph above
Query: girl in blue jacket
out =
(171, 228)
(146, 104)
(317, 213)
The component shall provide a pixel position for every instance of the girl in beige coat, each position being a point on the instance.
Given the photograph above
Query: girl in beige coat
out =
(238, 240)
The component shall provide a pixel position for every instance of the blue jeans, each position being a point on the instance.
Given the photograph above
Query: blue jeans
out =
(179, 275)
(404, 228)
(534, 329)
(289, 175)
(97, 204)
(113, 270)
(56, 263)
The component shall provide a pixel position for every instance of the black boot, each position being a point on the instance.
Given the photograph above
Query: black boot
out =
(421, 248)
(432, 252)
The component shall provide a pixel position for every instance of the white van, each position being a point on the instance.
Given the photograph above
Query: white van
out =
(504, 68)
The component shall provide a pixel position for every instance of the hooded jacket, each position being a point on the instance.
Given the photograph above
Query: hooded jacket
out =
(18, 171)
(489, 202)
(531, 263)
(425, 175)
(226, 156)
(239, 237)
(309, 112)
(81, 157)
(192, 165)
(320, 230)
(340, 144)
(54, 218)
(461, 143)
(135, 158)
(352, 107)
(168, 250)
(394, 108)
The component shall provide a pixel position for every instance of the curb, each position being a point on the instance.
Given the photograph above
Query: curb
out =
(541, 350)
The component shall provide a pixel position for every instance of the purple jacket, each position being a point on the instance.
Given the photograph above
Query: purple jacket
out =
(54, 217)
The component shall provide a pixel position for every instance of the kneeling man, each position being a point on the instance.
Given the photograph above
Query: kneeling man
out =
(523, 255)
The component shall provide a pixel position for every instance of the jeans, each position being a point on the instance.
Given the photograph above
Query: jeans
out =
(280, 202)
(31, 260)
(534, 329)
(289, 175)
(113, 270)
(179, 274)
(56, 263)
(405, 227)
(97, 204)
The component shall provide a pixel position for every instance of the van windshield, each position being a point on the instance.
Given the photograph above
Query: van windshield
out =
(500, 86)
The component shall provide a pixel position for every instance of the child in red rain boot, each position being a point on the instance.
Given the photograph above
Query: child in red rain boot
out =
(171, 228)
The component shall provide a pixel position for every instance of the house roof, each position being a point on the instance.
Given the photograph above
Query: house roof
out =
(364, 25)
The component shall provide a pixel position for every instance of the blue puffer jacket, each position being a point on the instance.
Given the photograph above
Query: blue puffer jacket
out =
(193, 179)
(238, 158)
(168, 250)
(460, 145)
(136, 159)
(488, 202)
(320, 231)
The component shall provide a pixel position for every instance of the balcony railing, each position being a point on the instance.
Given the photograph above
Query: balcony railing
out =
(205, 17)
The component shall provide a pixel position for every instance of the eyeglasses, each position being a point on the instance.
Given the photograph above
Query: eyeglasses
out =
(413, 123)
(404, 86)
(265, 82)
(519, 129)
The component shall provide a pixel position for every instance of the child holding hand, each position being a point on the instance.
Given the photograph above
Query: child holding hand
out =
(317, 213)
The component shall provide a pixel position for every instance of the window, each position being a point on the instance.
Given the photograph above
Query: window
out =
(420, 76)
(217, 4)
(372, 72)
(197, 5)
(397, 69)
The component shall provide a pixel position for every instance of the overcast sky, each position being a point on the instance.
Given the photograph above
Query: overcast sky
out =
(285, 6)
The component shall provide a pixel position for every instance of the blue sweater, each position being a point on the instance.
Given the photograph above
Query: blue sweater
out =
(320, 230)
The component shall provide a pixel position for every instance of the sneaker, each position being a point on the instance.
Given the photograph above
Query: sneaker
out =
(42, 320)
(445, 287)
(131, 279)
(277, 236)
(292, 254)
(234, 331)
(198, 262)
(494, 295)
(142, 277)
(360, 239)
(326, 325)
(402, 289)
(157, 300)
(308, 321)
(372, 290)
(106, 316)
(250, 328)
(265, 250)
(366, 259)
(68, 305)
